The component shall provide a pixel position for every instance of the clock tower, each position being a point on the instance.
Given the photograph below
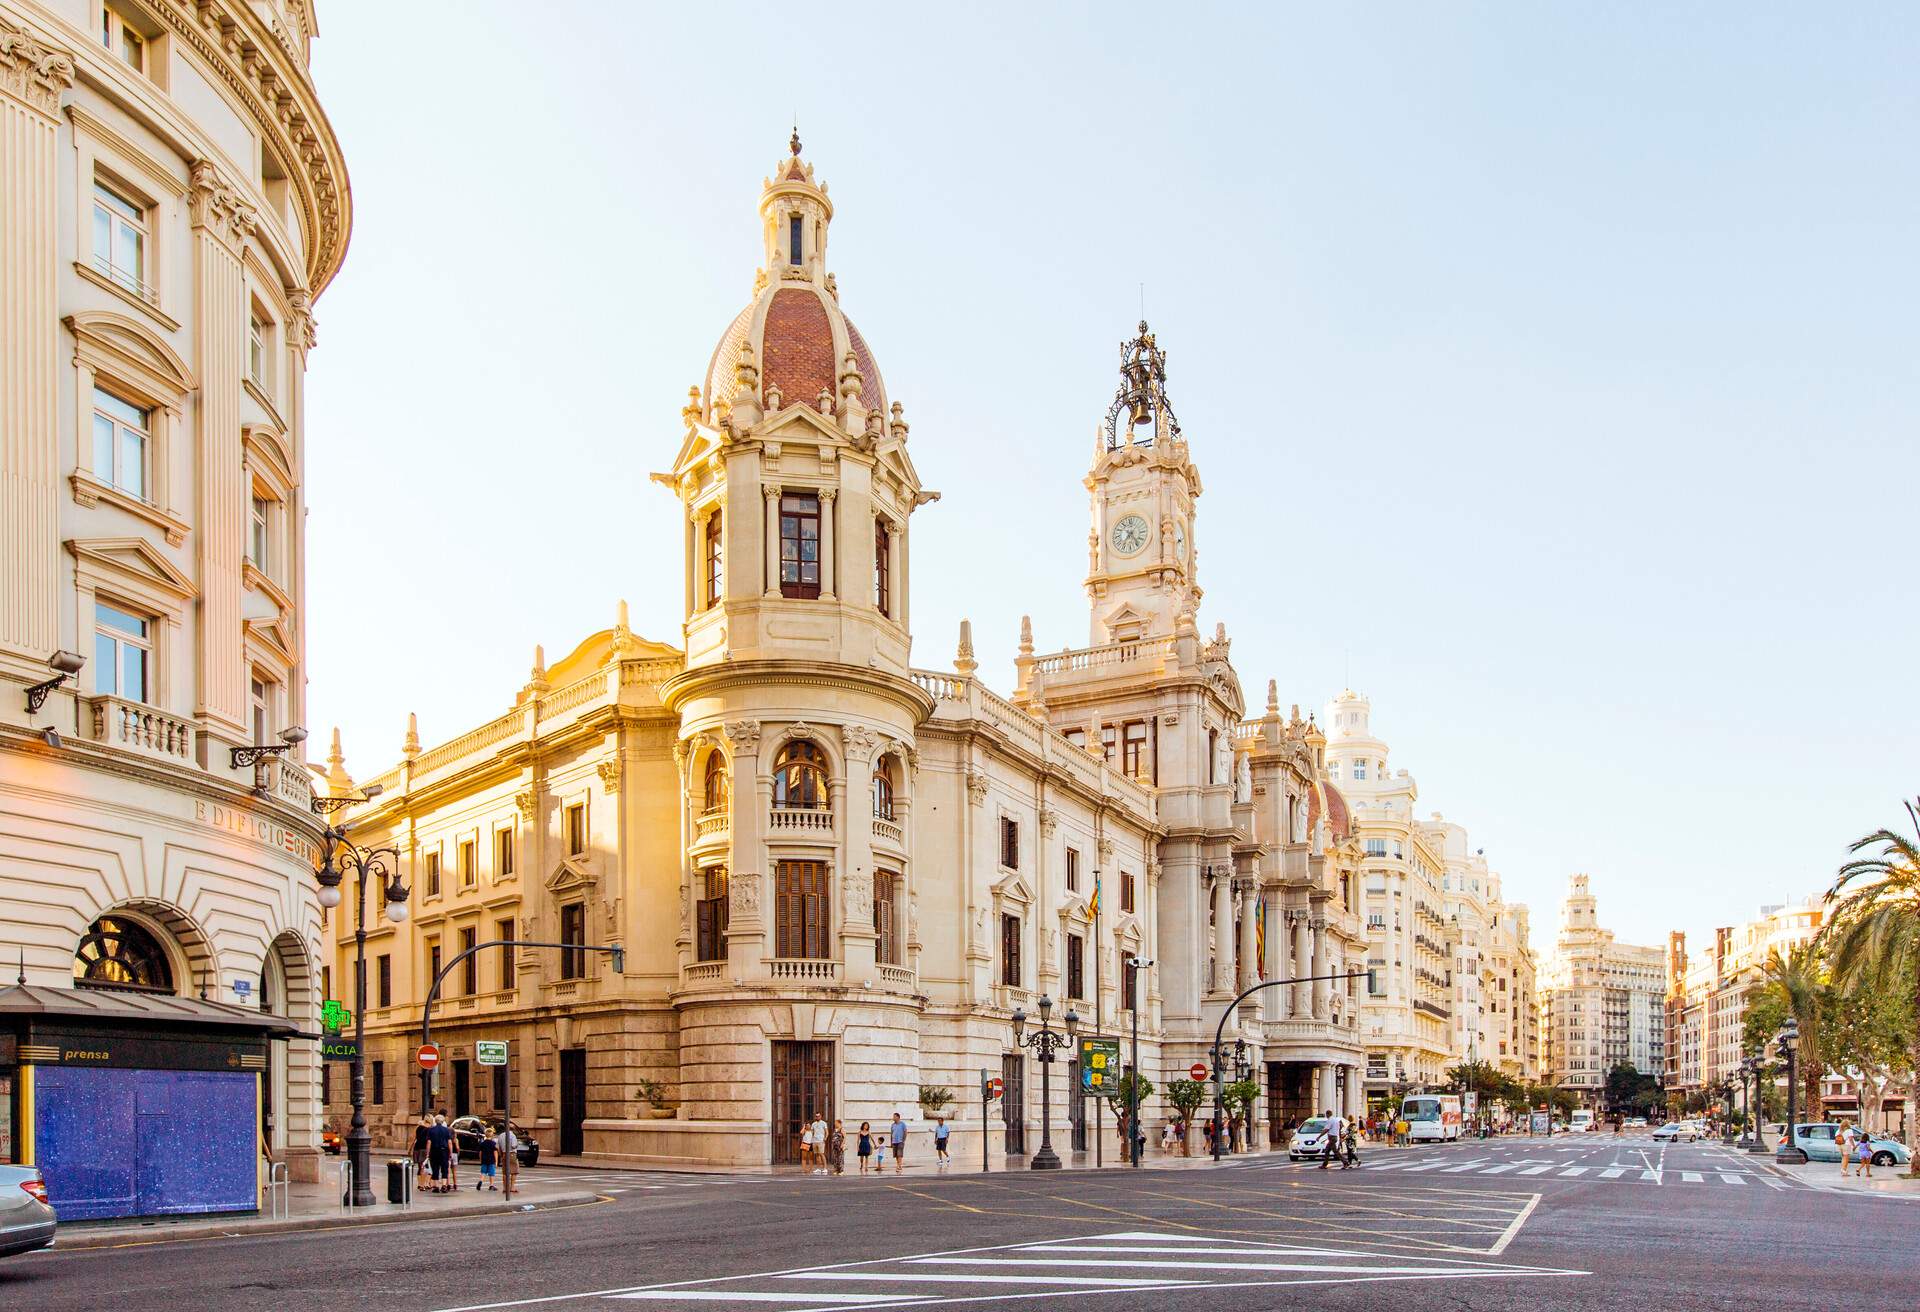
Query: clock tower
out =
(1142, 488)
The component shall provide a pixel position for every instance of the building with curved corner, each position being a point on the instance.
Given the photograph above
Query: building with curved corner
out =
(836, 876)
(174, 202)
(1602, 1003)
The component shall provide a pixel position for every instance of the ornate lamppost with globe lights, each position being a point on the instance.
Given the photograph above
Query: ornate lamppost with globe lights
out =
(1045, 1041)
(383, 865)
(1790, 1153)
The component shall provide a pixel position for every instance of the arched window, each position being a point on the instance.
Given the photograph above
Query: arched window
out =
(713, 792)
(800, 777)
(120, 954)
(882, 793)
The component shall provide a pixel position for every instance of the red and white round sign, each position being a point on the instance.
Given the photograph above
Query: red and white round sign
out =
(428, 1056)
(1198, 1070)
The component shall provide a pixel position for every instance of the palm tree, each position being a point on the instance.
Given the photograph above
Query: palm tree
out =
(1798, 979)
(1873, 935)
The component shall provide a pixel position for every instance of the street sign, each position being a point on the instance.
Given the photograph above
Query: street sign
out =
(334, 1017)
(994, 1088)
(1197, 1071)
(490, 1052)
(428, 1057)
(339, 1049)
(241, 988)
(1099, 1066)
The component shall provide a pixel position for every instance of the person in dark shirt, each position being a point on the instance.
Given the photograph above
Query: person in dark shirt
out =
(440, 1154)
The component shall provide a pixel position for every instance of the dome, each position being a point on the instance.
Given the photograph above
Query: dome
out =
(1339, 819)
(799, 336)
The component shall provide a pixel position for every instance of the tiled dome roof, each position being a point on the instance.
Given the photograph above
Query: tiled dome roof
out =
(799, 337)
(1339, 820)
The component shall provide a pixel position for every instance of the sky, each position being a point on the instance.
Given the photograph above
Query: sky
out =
(1550, 371)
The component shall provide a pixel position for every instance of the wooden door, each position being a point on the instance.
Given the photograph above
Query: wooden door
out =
(573, 1101)
(802, 1090)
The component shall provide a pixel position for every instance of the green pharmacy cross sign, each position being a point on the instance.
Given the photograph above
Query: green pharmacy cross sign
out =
(1099, 1066)
(334, 1017)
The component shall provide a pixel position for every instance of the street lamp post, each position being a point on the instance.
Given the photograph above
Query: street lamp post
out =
(1045, 1041)
(1757, 1107)
(1791, 1153)
(382, 863)
(1134, 1138)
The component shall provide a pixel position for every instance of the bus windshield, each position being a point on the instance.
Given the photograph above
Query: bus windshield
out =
(1421, 1109)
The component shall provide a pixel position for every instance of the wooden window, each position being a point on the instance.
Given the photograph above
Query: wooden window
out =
(1010, 951)
(433, 874)
(882, 794)
(800, 909)
(1076, 966)
(573, 929)
(710, 916)
(1073, 870)
(470, 967)
(713, 784)
(799, 544)
(884, 919)
(716, 553)
(881, 566)
(1126, 891)
(1009, 842)
(379, 1082)
(800, 777)
(469, 863)
(1133, 748)
(433, 961)
(577, 829)
(503, 854)
(384, 969)
(503, 930)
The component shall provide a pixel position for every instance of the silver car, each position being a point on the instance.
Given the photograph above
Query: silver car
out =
(26, 1221)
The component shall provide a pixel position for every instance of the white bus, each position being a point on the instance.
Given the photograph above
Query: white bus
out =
(1582, 1120)
(1431, 1116)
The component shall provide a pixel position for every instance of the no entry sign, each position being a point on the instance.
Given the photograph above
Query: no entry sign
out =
(1198, 1070)
(428, 1056)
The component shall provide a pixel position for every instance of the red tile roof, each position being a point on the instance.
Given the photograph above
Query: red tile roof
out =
(797, 346)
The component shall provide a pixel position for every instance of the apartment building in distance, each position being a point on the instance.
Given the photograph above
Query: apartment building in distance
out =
(1494, 1018)
(1708, 991)
(1601, 1002)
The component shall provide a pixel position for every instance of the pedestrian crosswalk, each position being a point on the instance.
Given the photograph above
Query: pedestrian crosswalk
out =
(619, 1182)
(1128, 1261)
(1733, 1172)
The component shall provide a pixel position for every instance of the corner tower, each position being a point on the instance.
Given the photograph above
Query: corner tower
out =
(1142, 488)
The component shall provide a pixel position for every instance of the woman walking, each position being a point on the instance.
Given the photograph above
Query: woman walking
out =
(420, 1133)
(865, 1147)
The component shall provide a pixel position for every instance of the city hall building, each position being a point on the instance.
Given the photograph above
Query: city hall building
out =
(835, 876)
(174, 201)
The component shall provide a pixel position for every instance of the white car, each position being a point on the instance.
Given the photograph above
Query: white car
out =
(1636, 1123)
(1676, 1132)
(1309, 1139)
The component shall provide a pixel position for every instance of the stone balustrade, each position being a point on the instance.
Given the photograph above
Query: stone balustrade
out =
(143, 730)
(818, 820)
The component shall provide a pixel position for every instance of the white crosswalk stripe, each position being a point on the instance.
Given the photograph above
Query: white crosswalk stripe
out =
(1738, 1176)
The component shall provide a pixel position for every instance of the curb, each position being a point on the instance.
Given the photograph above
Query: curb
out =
(67, 1241)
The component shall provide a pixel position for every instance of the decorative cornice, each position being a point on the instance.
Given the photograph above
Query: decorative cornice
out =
(31, 71)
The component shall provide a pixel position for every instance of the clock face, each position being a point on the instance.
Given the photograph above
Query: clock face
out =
(1130, 535)
(1180, 543)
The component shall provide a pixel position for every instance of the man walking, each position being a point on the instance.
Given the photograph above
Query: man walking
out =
(940, 1133)
(1331, 1137)
(897, 1138)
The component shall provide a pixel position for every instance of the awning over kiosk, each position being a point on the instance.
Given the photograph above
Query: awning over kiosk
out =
(135, 1104)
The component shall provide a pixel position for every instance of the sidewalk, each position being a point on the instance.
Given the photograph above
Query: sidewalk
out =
(317, 1207)
(1892, 1181)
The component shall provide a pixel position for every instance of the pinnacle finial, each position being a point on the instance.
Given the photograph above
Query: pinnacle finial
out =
(1026, 635)
(963, 660)
(1273, 698)
(411, 747)
(794, 144)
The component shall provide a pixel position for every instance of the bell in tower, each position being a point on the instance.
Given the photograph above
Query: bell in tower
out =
(1143, 392)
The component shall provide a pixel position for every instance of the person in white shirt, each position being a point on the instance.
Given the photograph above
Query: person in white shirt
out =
(1330, 1142)
(818, 1132)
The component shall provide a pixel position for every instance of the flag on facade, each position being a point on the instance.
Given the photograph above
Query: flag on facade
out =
(1093, 903)
(1260, 937)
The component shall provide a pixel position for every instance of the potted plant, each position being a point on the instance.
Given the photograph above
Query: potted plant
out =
(659, 1106)
(933, 1098)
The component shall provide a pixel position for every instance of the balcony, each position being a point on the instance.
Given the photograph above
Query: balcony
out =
(289, 782)
(712, 826)
(142, 730)
(889, 831)
(706, 972)
(899, 977)
(815, 820)
(805, 970)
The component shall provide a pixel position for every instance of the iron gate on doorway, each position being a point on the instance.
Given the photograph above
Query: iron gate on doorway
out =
(802, 1090)
(1013, 1101)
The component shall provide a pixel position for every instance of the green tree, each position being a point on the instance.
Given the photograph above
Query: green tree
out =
(1121, 1099)
(1186, 1097)
(1798, 977)
(1239, 1098)
(1874, 932)
(1868, 1033)
(1766, 1013)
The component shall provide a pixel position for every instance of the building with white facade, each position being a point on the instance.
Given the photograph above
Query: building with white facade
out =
(1602, 1003)
(1493, 969)
(1708, 990)
(173, 202)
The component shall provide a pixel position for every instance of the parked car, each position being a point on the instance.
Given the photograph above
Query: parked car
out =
(468, 1131)
(26, 1219)
(1309, 1138)
(1677, 1132)
(1817, 1139)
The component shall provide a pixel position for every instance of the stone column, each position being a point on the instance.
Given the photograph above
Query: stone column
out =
(829, 564)
(859, 941)
(1327, 1098)
(1302, 965)
(1224, 972)
(772, 553)
(1321, 960)
(1356, 1091)
(32, 79)
(1249, 958)
(749, 881)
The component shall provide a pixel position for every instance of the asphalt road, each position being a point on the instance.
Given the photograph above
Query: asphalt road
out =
(1586, 1223)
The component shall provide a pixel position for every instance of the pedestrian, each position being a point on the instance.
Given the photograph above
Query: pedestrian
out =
(1352, 1146)
(1336, 1128)
(865, 1147)
(420, 1135)
(1865, 1151)
(940, 1132)
(837, 1149)
(819, 1136)
(508, 1145)
(1844, 1142)
(439, 1153)
(489, 1154)
(897, 1140)
(1169, 1133)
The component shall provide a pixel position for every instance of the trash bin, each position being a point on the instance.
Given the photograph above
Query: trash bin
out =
(399, 1180)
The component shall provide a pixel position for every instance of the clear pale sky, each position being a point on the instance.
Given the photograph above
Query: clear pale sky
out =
(1550, 369)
